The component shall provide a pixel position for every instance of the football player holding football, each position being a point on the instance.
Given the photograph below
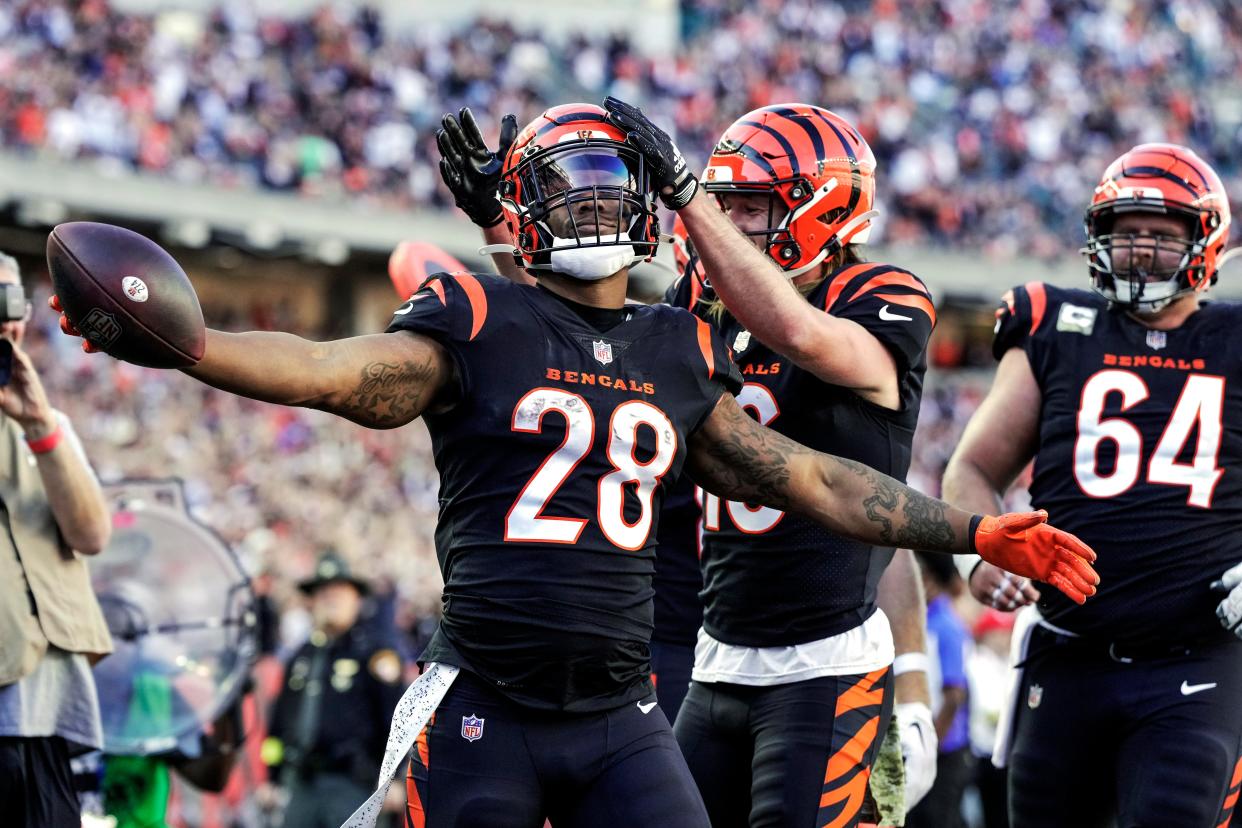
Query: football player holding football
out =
(1129, 400)
(557, 414)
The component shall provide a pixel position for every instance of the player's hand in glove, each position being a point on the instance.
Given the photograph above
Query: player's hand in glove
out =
(670, 176)
(1023, 543)
(1229, 611)
(471, 170)
(918, 749)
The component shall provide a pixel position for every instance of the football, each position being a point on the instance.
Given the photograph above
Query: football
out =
(126, 294)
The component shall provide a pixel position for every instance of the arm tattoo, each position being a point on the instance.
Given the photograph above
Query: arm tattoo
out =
(389, 394)
(748, 462)
(922, 523)
(741, 460)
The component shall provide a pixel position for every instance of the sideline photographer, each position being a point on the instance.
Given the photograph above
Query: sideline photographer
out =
(51, 626)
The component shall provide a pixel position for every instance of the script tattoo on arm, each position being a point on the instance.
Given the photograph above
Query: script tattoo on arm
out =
(388, 394)
(734, 457)
(388, 380)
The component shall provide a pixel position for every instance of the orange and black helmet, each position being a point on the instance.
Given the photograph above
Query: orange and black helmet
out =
(1165, 179)
(817, 171)
(572, 158)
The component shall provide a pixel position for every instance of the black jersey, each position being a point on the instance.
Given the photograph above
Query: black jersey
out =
(552, 466)
(1138, 454)
(776, 579)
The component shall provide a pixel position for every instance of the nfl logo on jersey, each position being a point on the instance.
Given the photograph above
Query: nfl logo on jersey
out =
(603, 351)
(471, 728)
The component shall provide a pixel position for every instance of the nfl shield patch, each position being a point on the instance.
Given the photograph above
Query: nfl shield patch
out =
(742, 342)
(1034, 696)
(471, 728)
(602, 351)
(1157, 340)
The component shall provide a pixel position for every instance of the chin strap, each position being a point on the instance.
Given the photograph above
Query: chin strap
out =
(489, 249)
(843, 235)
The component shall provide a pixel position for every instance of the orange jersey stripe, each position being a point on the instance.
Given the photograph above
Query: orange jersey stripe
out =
(437, 288)
(478, 301)
(1237, 775)
(842, 279)
(1039, 303)
(889, 279)
(911, 300)
(705, 347)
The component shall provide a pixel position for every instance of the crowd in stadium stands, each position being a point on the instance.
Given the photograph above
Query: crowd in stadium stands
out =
(990, 120)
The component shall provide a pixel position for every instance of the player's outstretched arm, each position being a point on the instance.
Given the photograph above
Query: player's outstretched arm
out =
(379, 380)
(734, 457)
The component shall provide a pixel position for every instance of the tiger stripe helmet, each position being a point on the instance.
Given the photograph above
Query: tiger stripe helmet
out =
(816, 163)
(567, 155)
(1170, 180)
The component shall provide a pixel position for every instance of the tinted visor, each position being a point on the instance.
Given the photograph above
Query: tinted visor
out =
(600, 168)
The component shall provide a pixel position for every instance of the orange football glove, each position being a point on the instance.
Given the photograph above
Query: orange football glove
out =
(1023, 543)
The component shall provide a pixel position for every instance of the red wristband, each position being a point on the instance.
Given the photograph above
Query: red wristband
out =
(47, 442)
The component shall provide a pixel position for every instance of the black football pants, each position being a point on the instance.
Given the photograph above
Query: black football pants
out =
(788, 755)
(517, 767)
(1147, 743)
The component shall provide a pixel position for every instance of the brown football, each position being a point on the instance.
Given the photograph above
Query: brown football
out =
(126, 295)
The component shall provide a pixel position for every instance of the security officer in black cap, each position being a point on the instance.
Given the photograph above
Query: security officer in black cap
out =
(330, 722)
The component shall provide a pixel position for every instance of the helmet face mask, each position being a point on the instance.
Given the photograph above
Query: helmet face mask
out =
(1173, 188)
(581, 203)
(1144, 272)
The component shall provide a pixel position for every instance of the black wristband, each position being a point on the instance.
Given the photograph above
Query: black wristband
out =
(683, 195)
(974, 527)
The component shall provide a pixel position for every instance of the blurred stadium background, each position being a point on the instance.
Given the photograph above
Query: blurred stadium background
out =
(282, 148)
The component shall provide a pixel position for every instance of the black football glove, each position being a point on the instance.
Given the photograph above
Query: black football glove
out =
(670, 176)
(470, 169)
